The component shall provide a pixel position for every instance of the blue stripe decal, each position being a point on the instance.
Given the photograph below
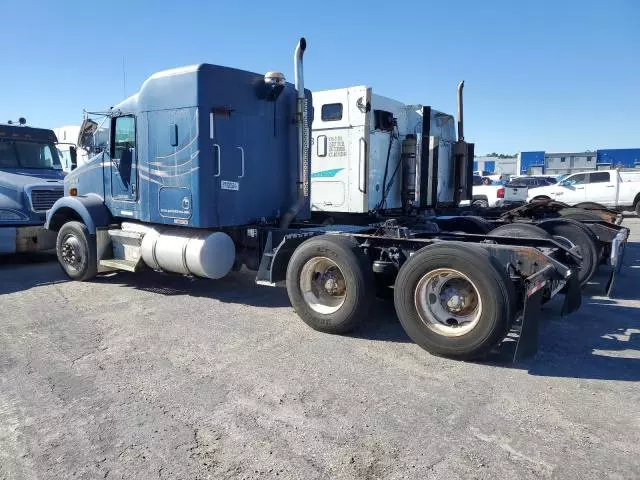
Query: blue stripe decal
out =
(326, 173)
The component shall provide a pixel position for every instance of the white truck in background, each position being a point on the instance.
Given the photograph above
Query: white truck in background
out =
(611, 188)
(358, 141)
(361, 141)
(68, 143)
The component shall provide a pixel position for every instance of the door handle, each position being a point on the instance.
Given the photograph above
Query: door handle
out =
(579, 188)
(362, 164)
(610, 186)
(217, 147)
(242, 160)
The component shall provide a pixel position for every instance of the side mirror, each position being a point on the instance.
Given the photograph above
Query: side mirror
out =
(73, 153)
(87, 129)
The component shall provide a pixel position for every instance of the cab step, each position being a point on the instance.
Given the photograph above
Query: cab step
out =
(118, 264)
(126, 245)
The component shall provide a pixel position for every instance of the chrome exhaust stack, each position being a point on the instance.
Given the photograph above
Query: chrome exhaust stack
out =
(463, 154)
(460, 112)
(302, 123)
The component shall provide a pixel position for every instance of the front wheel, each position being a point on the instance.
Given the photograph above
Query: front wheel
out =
(76, 250)
(454, 301)
(330, 283)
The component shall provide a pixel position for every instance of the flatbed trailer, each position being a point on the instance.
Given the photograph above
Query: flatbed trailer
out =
(197, 180)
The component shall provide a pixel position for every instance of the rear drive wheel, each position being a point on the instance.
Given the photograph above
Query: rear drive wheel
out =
(330, 283)
(519, 230)
(467, 224)
(571, 233)
(591, 206)
(578, 214)
(76, 250)
(454, 301)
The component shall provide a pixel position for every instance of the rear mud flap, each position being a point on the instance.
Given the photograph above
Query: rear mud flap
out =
(617, 256)
(527, 345)
(572, 296)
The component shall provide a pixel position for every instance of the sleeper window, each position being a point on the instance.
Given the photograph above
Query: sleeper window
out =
(331, 112)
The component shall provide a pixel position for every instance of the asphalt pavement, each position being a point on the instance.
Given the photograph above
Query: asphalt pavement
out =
(143, 376)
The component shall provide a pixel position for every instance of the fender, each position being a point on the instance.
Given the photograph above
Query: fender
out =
(89, 209)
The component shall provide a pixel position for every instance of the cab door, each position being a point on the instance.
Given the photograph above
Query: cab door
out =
(601, 189)
(571, 190)
(330, 151)
(124, 171)
(339, 158)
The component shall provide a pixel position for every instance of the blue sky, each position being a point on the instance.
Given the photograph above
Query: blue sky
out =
(540, 75)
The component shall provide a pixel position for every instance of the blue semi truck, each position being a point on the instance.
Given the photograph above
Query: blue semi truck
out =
(31, 180)
(207, 171)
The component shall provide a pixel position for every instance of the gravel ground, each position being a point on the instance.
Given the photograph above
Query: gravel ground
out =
(151, 376)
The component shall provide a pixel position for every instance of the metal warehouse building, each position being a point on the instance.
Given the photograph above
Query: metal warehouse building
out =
(537, 163)
(496, 165)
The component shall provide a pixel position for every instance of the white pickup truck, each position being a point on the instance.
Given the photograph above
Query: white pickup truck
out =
(496, 194)
(610, 188)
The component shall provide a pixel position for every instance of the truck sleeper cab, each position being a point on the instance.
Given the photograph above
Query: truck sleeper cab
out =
(207, 169)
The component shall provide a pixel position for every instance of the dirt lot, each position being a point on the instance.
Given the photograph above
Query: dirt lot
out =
(153, 376)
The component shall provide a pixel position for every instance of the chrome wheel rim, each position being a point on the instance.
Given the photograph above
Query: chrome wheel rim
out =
(322, 285)
(448, 302)
(71, 252)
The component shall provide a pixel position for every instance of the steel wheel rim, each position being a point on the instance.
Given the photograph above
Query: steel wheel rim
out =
(322, 285)
(565, 242)
(448, 302)
(71, 252)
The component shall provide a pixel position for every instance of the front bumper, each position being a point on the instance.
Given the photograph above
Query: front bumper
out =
(32, 238)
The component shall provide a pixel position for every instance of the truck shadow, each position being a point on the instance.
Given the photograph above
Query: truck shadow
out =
(18, 274)
(625, 287)
(602, 343)
(17, 259)
(237, 287)
(240, 288)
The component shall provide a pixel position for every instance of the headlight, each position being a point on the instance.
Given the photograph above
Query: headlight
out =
(7, 215)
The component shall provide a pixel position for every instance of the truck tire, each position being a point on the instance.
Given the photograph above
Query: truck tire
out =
(572, 233)
(454, 301)
(467, 224)
(579, 214)
(76, 250)
(481, 203)
(519, 230)
(330, 283)
(591, 206)
(540, 198)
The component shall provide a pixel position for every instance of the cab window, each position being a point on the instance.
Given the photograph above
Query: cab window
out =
(123, 149)
(124, 136)
(599, 177)
(578, 179)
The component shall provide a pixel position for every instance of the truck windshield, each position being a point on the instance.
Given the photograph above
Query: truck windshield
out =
(19, 154)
